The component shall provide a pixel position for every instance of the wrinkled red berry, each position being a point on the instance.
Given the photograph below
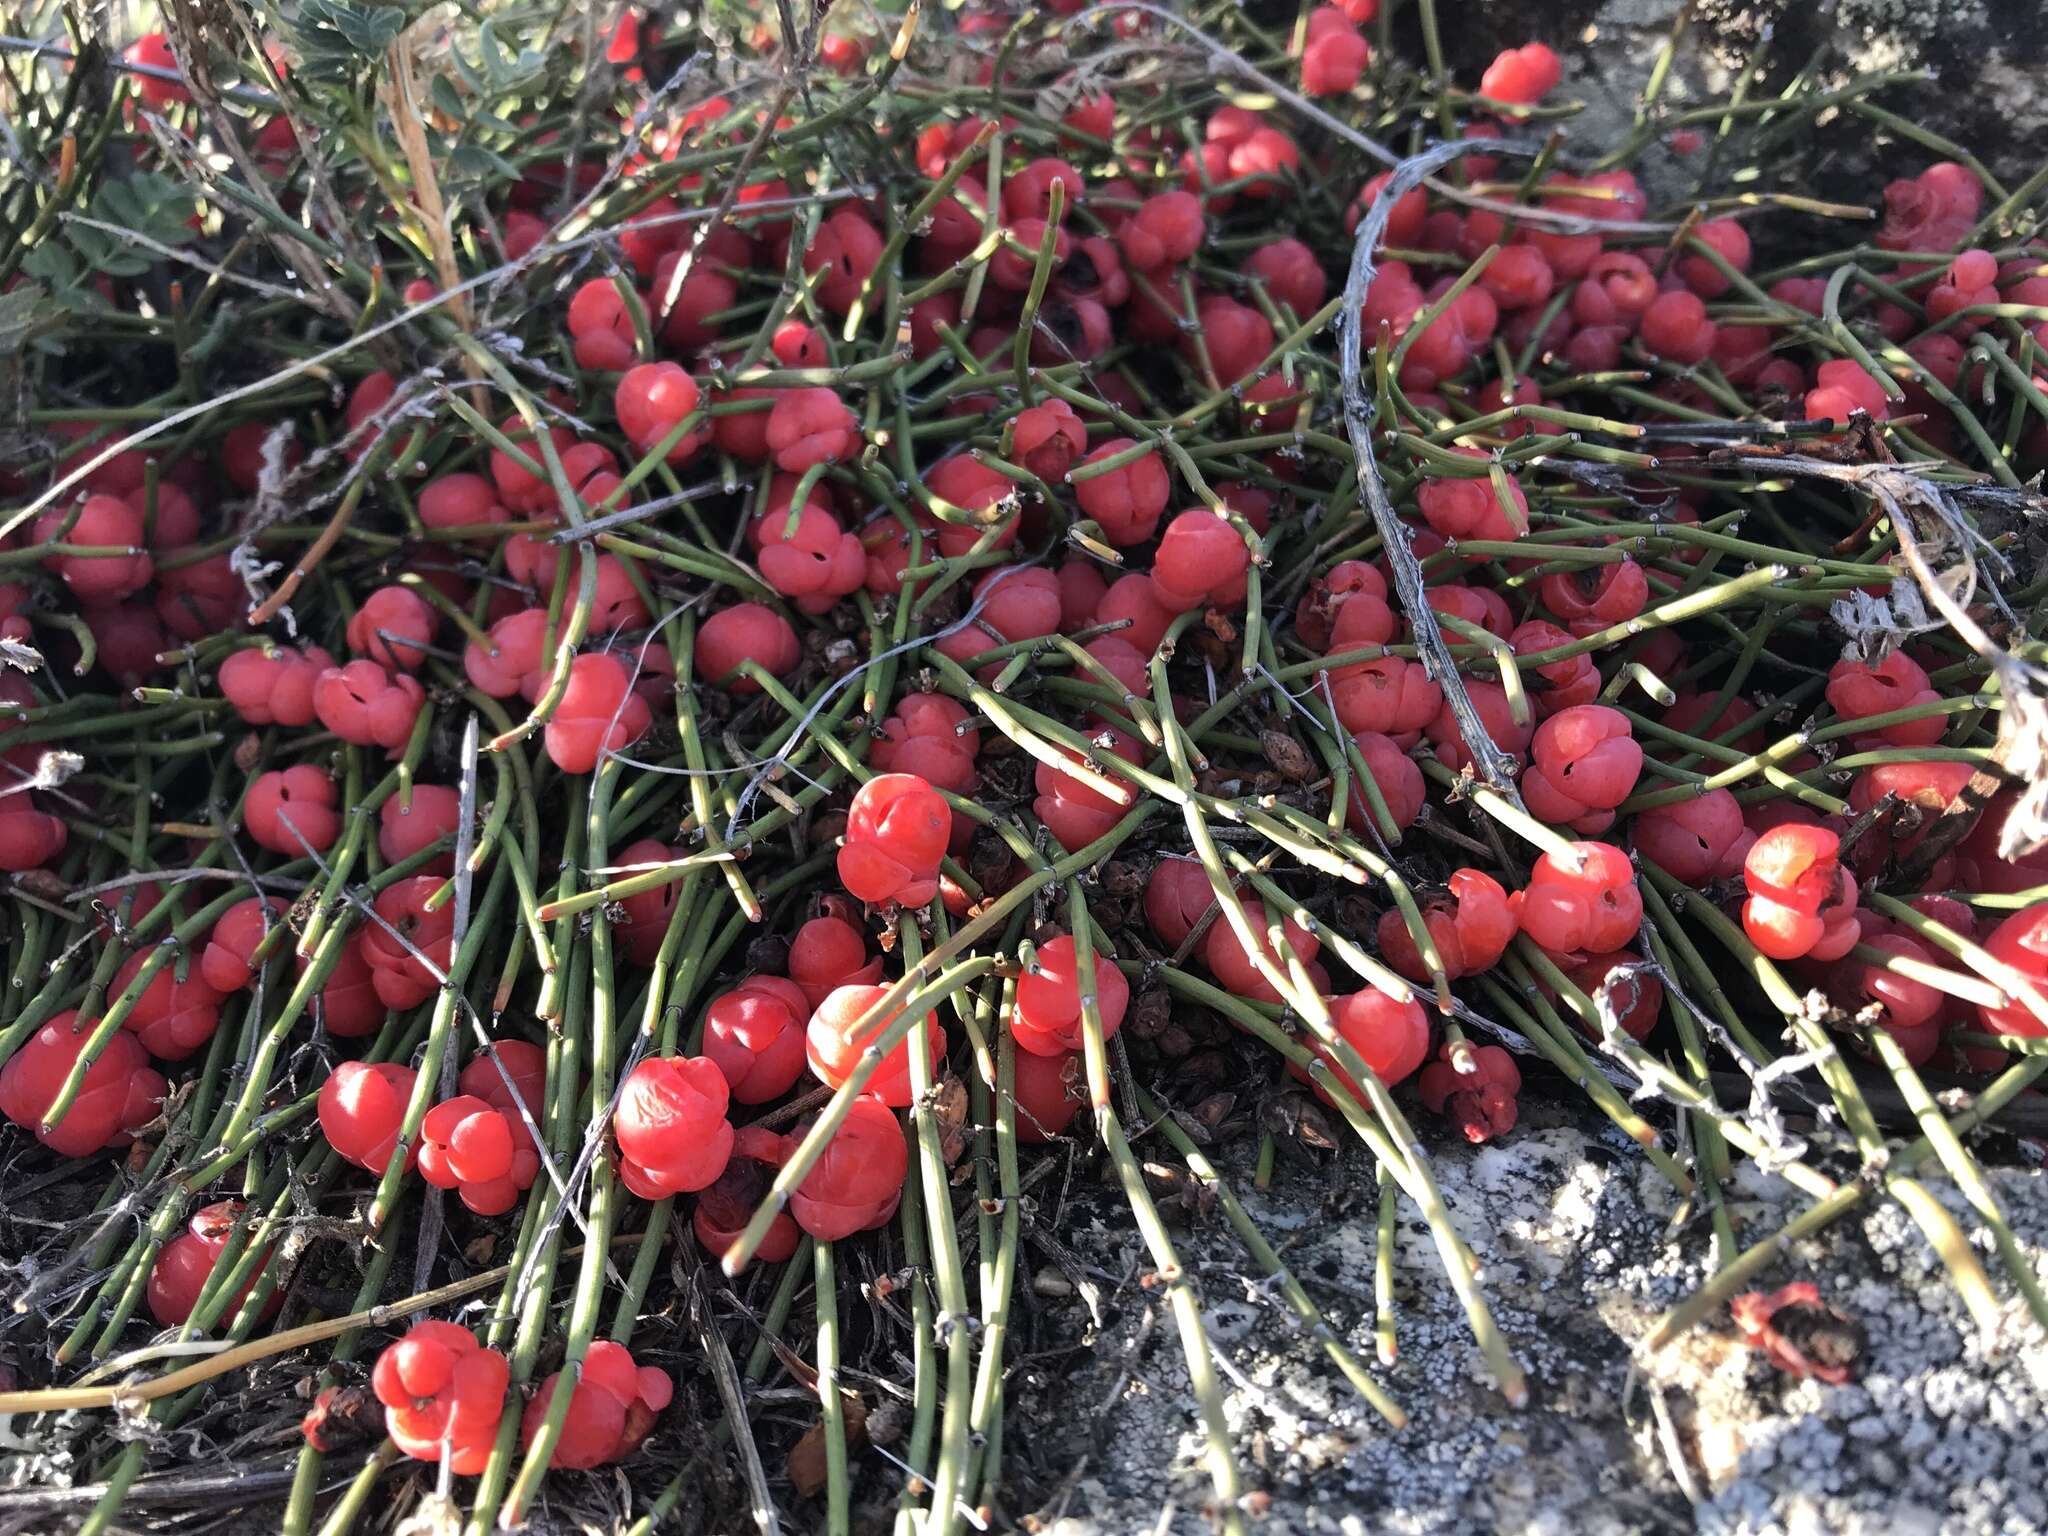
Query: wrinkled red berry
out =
(671, 1127)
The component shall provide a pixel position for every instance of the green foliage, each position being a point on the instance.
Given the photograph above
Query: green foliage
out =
(148, 204)
(337, 40)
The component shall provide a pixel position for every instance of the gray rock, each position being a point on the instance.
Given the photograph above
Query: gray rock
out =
(1938, 1435)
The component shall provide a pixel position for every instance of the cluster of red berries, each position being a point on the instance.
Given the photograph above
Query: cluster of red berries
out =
(1106, 469)
(444, 1396)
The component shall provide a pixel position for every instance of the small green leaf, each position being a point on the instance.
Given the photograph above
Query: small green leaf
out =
(446, 98)
(339, 39)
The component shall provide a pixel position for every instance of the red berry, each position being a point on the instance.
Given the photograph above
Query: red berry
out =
(1727, 238)
(726, 1206)
(1617, 288)
(530, 492)
(897, 830)
(1046, 438)
(1016, 603)
(1587, 901)
(171, 1018)
(811, 426)
(755, 1036)
(1585, 764)
(1922, 791)
(406, 829)
(443, 1395)
(1201, 561)
(1519, 277)
(1522, 76)
(1322, 603)
(1126, 501)
(187, 1262)
(1591, 598)
(228, 962)
(1027, 194)
(828, 953)
(1470, 925)
(836, 1038)
(703, 294)
(1897, 682)
(1472, 509)
(963, 482)
(153, 50)
(599, 714)
(1404, 221)
(815, 561)
(348, 1005)
(797, 345)
(362, 1106)
(1047, 1018)
(1291, 275)
(120, 1093)
(1267, 154)
(671, 1127)
(1134, 600)
(745, 631)
(102, 522)
(1843, 388)
(1475, 605)
(1908, 1008)
(651, 401)
(197, 600)
(487, 1156)
(1393, 696)
(924, 737)
(1074, 810)
(1675, 327)
(1228, 342)
(1049, 1091)
(1234, 968)
(367, 705)
(602, 326)
(1093, 115)
(1391, 1036)
(1555, 685)
(858, 1179)
(289, 810)
(2020, 942)
(486, 1077)
(1932, 211)
(392, 628)
(1481, 1104)
(273, 687)
(1177, 895)
(1335, 54)
(1396, 777)
(520, 664)
(409, 943)
(1635, 994)
(640, 922)
(1490, 702)
(1801, 900)
(843, 255)
(29, 838)
(1696, 840)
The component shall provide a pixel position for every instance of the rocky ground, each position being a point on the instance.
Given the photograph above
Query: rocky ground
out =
(1939, 1433)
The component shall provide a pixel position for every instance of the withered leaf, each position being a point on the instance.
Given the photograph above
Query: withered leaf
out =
(1287, 755)
(949, 1108)
(807, 1469)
